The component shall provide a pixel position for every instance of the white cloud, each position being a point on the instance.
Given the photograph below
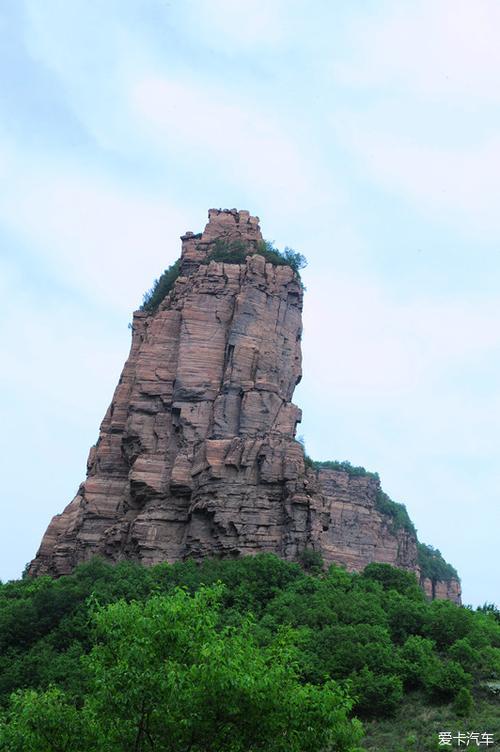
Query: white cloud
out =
(387, 347)
(427, 128)
(434, 49)
(60, 353)
(459, 185)
(223, 131)
(100, 237)
(159, 112)
(234, 26)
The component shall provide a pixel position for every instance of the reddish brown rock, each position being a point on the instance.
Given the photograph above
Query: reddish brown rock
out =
(353, 532)
(197, 452)
(449, 590)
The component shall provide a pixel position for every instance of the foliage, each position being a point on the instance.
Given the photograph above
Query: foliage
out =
(397, 512)
(236, 251)
(463, 653)
(419, 661)
(228, 251)
(392, 578)
(231, 252)
(161, 287)
(311, 560)
(163, 676)
(463, 703)
(346, 467)
(287, 257)
(433, 566)
(490, 608)
(446, 624)
(379, 694)
(422, 722)
(45, 722)
(308, 461)
(446, 680)
(374, 632)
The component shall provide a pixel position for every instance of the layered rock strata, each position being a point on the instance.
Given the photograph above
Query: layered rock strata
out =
(449, 590)
(197, 453)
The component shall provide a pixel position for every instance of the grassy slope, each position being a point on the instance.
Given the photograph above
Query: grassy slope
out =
(416, 725)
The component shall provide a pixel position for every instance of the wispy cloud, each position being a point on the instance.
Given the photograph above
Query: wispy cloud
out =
(446, 49)
(102, 238)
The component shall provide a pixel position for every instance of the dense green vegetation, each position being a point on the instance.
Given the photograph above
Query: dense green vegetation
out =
(246, 654)
(232, 252)
(167, 675)
(432, 564)
(345, 466)
(161, 287)
(396, 511)
(235, 252)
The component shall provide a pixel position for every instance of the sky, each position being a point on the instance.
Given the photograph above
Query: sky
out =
(363, 134)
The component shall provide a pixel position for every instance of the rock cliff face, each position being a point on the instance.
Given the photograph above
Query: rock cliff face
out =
(197, 453)
(449, 590)
(353, 532)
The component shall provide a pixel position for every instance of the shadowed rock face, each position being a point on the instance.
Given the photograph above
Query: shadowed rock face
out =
(197, 453)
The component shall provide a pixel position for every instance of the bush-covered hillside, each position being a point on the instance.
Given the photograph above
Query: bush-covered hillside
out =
(105, 651)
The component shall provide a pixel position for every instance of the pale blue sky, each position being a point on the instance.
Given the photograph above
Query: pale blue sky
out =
(364, 134)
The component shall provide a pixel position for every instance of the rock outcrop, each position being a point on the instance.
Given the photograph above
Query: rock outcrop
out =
(449, 590)
(197, 453)
(353, 531)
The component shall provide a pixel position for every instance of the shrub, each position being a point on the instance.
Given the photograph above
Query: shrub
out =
(392, 579)
(433, 566)
(236, 251)
(405, 613)
(377, 696)
(463, 703)
(462, 652)
(311, 560)
(163, 677)
(419, 661)
(446, 680)
(397, 512)
(346, 467)
(446, 623)
(161, 287)
(376, 626)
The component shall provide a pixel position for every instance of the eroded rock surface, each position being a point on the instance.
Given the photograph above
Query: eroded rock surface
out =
(449, 590)
(197, 453)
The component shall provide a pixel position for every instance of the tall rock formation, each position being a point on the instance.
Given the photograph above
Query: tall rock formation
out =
(197, 453)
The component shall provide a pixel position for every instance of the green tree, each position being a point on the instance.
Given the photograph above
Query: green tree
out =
(376, 696)
(446, 680)
(164, 675)
(446, 623)
(392, 578)
(419, 661)
(45, 722)
(463, 703)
